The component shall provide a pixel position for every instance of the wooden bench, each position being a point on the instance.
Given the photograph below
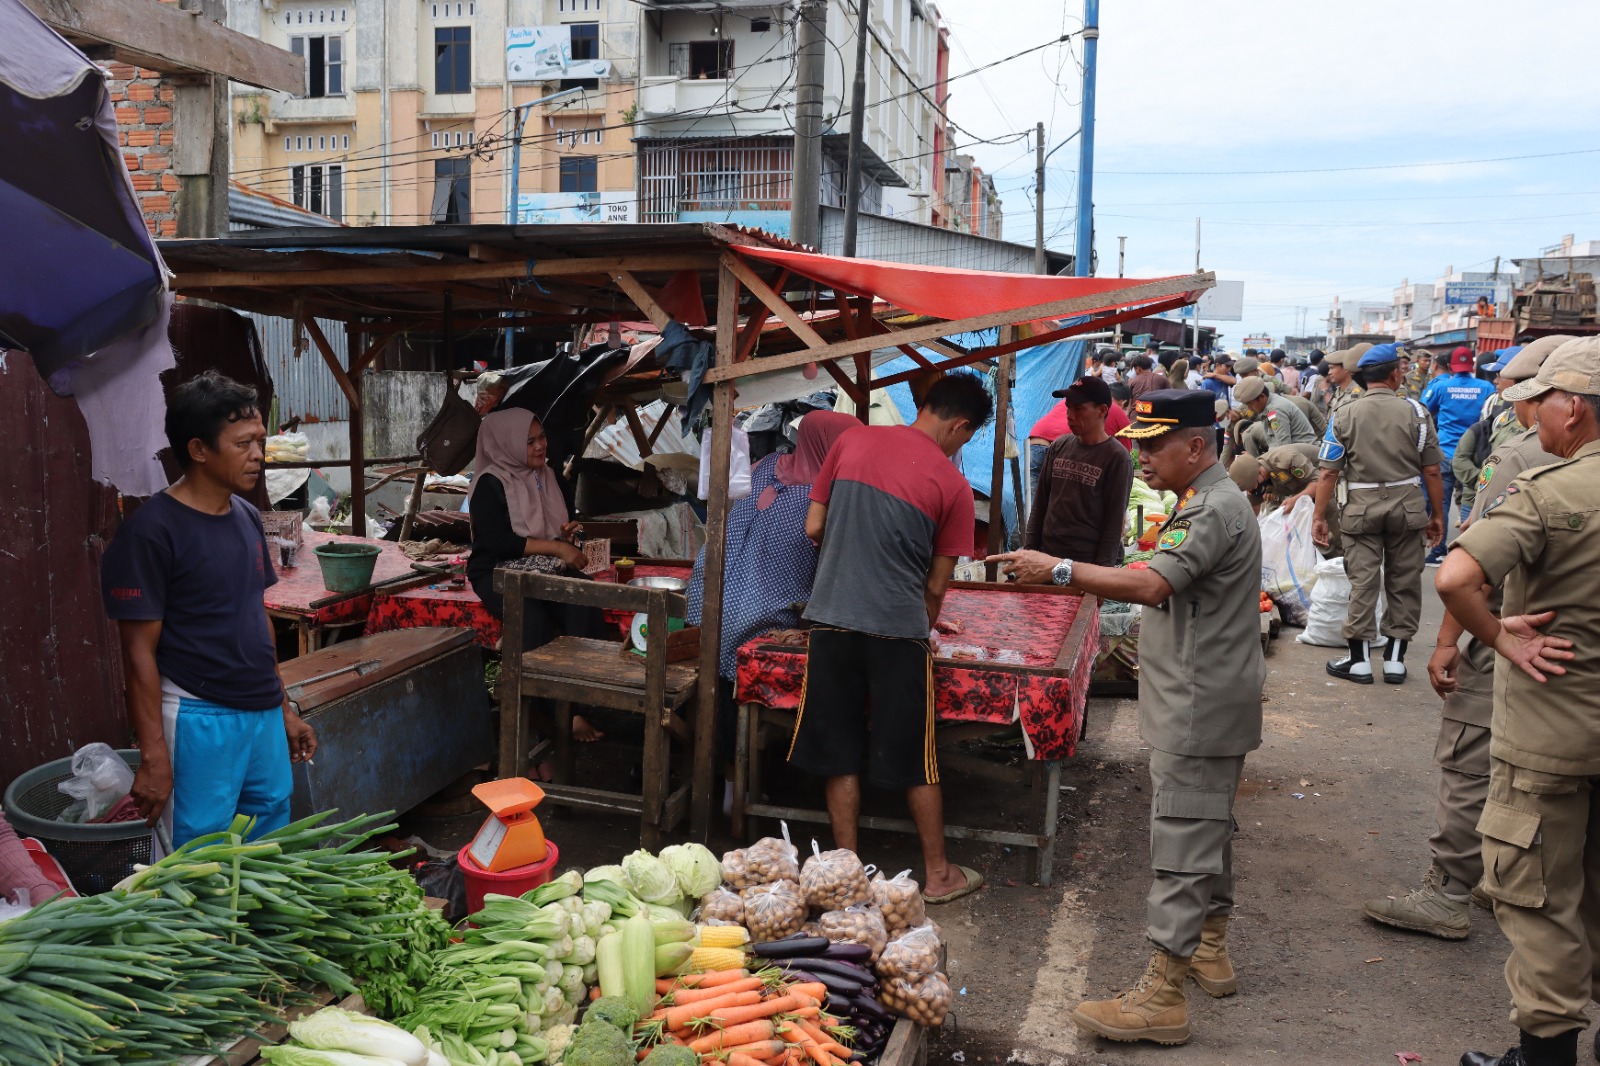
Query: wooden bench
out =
(596, 673)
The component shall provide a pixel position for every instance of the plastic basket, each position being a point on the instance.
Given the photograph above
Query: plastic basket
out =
(94, 856)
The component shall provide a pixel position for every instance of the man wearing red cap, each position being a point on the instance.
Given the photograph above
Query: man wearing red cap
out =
(1455, 402)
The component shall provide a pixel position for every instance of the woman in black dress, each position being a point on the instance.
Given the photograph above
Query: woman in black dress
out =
(517, 511)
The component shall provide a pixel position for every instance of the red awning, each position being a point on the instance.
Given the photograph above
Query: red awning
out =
(944, 292)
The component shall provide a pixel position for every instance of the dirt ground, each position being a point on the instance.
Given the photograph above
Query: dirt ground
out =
(1337, 806)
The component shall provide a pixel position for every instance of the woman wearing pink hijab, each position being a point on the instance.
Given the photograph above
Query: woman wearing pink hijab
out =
(517, 510)
(770, 562)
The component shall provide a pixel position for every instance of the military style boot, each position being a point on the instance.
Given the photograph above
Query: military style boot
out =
(1354, 666)
(1394, 661)
(1532, 1051)
(1154, 1009)
(1438, 908)
(1210, 968)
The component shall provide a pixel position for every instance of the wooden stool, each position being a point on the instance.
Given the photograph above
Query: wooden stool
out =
(596, 673)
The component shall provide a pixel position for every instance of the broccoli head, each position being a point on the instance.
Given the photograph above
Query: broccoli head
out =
(598, 1044)
(671, 1055)
(614, 1011)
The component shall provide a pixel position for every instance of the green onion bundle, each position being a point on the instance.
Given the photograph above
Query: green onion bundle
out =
(323, 910)
(128, 977)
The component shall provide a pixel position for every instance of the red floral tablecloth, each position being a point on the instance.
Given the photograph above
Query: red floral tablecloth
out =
(301, 585)
(445, 605)
(1000, 627)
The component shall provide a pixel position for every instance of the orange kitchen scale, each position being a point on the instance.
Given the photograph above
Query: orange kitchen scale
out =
(511, 836)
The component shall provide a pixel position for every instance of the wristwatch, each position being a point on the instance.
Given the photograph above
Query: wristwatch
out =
(1062, 573)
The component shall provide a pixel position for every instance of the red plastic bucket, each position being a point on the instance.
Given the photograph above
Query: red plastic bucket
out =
(512, 882)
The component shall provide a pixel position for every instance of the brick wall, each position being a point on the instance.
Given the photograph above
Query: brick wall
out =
(143, 102)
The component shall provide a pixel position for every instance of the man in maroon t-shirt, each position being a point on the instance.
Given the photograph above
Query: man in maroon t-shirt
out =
(891, 515)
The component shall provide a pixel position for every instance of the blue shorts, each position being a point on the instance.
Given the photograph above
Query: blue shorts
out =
(225, 762)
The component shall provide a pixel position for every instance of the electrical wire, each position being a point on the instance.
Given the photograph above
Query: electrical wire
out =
(1347, 170)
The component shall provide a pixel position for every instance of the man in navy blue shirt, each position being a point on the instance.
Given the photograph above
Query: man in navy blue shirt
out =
(1455, 401)
(184, 579)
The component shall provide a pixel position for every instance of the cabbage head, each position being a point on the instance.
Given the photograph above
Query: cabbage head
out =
(651, 879)
(697, 870)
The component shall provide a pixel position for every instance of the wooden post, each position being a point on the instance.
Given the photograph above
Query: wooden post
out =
(705, 727)
(864, 386)
(358, 441)
(997, 476)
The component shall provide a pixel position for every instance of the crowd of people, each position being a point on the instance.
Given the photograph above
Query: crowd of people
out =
(1497, 445)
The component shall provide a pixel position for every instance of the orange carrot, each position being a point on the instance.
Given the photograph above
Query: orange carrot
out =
(808, 1010)
(679, 1016)
(816, 991)
(734, 1034)
(704, 995)
(594, 993)
(739, 1014)
(803, 1040)
(737, 1058)
(761, 1049)
(712, 978)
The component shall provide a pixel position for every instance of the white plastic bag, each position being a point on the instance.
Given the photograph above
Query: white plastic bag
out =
(99, 779)
(1289, 559)
(1330, 603)
(738, 466)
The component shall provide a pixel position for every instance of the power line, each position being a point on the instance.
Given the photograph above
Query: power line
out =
(1346, 170)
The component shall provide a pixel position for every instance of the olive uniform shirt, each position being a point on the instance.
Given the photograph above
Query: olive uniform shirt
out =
(1538, 537)
(1201, 668)
(1284, 423)
(1289, 469)
(1380, 437)
(1474, 703)
(1342, 395)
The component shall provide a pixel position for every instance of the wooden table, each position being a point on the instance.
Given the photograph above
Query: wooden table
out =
(301, 599)
(1025, 656)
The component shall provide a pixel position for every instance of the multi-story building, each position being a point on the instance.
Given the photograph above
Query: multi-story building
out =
(970, 203)
(715, 125)
(1421, 309)
(411, 107)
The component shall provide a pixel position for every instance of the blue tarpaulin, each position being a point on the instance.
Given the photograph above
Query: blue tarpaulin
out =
(1040, 371)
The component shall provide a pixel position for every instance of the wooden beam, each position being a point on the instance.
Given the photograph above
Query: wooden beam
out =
(848, 387)
(705, 718)
(775, 303)
(399, 276)
(1076, 305)
(340, 378)
(642, 298)
(375, 349)
(174, 41)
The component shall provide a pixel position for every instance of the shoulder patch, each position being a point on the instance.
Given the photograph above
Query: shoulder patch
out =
(1174, 535)
(1486, 473)
(1511, 490)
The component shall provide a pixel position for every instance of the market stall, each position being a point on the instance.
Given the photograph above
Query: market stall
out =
(773, 308)
(1022, 656)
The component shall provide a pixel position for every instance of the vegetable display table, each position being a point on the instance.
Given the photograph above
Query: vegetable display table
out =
(246, 1051)
(1024, 655)
(300, 598)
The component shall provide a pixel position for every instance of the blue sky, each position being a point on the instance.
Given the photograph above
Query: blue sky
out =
(1304, 86)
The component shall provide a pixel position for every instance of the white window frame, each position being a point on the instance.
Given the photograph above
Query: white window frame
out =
(319, 187)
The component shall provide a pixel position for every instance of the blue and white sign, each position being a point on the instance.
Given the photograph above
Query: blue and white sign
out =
(549, 208)
(1467, 293)
(544, 53)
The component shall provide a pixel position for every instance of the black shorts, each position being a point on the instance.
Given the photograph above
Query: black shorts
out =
(867, 699)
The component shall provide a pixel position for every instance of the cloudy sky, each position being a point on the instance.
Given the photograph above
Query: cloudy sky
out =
(1428, 90)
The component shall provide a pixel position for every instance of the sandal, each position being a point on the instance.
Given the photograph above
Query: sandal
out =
(974, 882)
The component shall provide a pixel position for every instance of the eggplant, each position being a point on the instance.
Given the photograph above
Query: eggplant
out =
(843, 986)
(793, 947)
(869, 1007)
(840, 1005)
(839, 968)
(848, 952)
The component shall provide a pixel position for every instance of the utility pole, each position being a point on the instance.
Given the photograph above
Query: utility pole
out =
(805, 221)
(1122, 255)
(1197, 302)
(1083, 253)
(1038, 200)
(513, 208)
(858, 119)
